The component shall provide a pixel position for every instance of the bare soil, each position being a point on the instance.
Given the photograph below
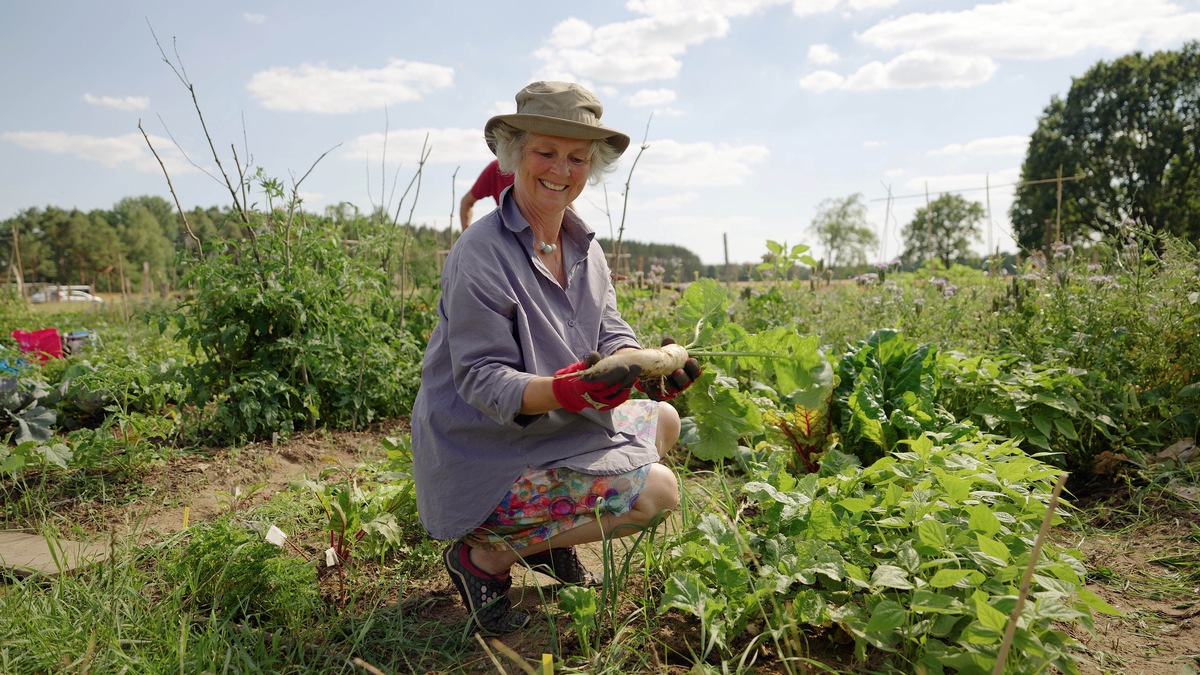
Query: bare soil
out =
(1147, 565)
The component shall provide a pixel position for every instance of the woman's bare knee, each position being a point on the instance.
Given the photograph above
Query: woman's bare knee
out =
(667, 431)
(661, 493)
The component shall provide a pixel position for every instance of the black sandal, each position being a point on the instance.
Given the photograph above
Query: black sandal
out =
(562, 565)
(486, 598)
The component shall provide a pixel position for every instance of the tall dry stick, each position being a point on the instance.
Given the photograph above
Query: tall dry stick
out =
(625, 203)
(17, 259)
(181, 73)
(171, 187)
(425, 150)
(1010, 630)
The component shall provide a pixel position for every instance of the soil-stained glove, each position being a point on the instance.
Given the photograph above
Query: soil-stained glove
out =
(604, 393)
(667, 388)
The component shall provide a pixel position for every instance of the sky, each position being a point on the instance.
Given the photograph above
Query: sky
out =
(745, 115)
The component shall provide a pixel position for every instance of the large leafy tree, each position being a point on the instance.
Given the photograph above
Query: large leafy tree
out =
(945, 230)
(842, 231)
(1130, 130)
(147, 227)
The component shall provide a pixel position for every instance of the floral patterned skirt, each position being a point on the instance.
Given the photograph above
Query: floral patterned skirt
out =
(544, 502)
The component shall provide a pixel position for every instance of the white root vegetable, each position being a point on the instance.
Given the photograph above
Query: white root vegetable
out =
(654, 361)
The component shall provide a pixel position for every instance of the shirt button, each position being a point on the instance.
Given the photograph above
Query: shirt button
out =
(571, 323)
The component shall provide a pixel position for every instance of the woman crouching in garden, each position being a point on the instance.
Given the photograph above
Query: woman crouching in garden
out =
(516, 459)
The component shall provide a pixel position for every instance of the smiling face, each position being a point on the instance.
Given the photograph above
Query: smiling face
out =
(552, 173)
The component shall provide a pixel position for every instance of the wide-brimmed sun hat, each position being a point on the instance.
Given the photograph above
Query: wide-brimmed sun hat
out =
(559, 109)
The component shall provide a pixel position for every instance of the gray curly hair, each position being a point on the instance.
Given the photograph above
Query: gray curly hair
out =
(510, 142)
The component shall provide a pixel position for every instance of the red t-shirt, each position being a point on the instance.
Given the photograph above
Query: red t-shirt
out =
(491, 182)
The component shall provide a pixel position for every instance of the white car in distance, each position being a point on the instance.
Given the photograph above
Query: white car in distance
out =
(64, 296)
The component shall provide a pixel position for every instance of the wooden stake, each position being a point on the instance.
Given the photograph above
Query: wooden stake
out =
(1058, 179)
(1010, 630)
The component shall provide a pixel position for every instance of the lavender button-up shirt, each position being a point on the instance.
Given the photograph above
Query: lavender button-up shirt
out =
(503, 321)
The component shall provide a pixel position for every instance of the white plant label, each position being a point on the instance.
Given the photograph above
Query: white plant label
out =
(276, 536)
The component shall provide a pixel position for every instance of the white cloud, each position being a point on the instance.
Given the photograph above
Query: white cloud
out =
(895, 173)
(995, 146)
(727, 8)
(821, 81)
(873, 145)
(633, 51)
(321, 89)
(502, 108)
(123, 103)
(920, 69)
(822, 54)
(127, 150)
(251, 17)
(446, 146)
(651, 98)
(693, 165)
(1038, 29)
(803, 8)
(867, 5)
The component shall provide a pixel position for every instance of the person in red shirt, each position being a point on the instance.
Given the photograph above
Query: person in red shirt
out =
(490, 182)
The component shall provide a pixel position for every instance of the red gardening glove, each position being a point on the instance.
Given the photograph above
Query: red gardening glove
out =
(667, 388)
(573, 394)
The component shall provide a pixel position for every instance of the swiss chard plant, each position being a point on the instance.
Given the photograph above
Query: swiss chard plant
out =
(888, 386)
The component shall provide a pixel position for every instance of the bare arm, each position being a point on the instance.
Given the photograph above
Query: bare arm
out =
(465, 207)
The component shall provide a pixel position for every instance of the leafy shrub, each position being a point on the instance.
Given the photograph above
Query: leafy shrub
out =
(290, 331)
(917, 557)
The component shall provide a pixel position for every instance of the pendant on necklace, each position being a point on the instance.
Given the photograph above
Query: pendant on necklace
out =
(544, 247)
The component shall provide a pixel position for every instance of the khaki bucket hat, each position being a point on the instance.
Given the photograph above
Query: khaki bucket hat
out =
(559, 109)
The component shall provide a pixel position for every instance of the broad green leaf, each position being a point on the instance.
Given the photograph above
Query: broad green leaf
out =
(945, 578)
(888, 615)
(1043, 425)
(856, 504)
(993, 548)
(1055, 611)
(924, 600)
(718, 532)
(1038, 439)
(890, 576)
(811, 607)
(1097, 604)
(983, 520)
(1066, 428)
(58, 454)
(722, 415)
(702, 307)
(957, 489)
(988, 616)
(1014, 470)
(932, 533)
(689, 593)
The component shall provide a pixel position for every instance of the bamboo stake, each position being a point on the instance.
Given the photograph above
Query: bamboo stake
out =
(1010, 630)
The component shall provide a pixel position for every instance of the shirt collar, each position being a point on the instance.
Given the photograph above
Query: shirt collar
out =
(573, 226)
